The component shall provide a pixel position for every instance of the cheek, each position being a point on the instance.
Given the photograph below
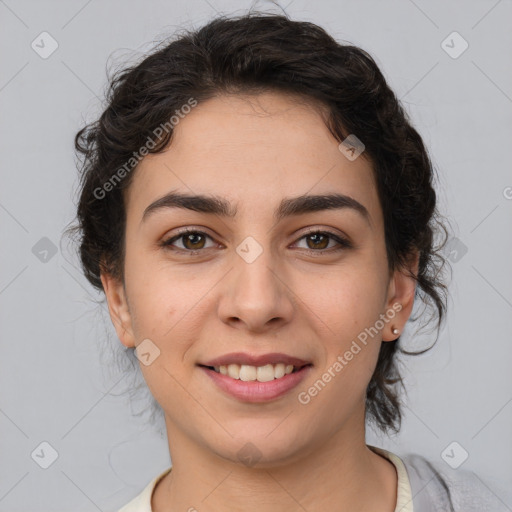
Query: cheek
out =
(347, 299)
(345, 306)
(351, 345)
(156, 295)
(169, 307)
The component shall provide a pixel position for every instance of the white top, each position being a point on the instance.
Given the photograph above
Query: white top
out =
(142, 502)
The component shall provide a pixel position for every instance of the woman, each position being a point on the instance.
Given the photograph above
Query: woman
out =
(261, 216)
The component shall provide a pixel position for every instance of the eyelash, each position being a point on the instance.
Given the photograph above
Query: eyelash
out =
(344, 243)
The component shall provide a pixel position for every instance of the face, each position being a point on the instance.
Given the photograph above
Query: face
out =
(304, 284)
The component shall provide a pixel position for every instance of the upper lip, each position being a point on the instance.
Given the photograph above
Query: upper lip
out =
(255, 360)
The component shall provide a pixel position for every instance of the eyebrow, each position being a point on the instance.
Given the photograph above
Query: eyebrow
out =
(287, 208)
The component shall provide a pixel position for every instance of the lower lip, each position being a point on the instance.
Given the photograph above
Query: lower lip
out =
(255, 391)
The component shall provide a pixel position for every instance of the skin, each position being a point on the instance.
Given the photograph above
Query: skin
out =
(254, 151)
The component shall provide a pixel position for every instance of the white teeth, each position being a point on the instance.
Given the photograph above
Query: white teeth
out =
(279, 371)
(247, 373)
(234, 371)
(265, 373)
(251, 373)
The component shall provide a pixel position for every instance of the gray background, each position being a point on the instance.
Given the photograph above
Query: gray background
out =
(58, 381)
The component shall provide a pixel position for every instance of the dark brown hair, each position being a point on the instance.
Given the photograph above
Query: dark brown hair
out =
(259, 53)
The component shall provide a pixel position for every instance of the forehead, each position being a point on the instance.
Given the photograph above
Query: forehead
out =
(253, 150)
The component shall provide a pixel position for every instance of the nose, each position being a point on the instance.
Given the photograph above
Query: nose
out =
(256, 295)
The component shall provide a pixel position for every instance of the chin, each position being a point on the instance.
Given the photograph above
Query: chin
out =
(263, 450)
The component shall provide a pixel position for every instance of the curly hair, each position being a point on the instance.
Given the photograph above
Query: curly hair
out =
(255, 53)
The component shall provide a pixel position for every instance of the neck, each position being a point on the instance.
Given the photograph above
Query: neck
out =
(339, 473)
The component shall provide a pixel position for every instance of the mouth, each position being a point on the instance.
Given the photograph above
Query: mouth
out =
(256, 384)
(249, 373)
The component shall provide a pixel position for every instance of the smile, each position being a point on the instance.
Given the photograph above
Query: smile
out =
(249, 373)
(256, 383)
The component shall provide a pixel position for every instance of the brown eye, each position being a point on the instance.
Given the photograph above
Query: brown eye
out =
(190, 240)
(193, 241)
(318, 241)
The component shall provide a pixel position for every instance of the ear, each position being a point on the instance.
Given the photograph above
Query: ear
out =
(401, 290)
(118, 308)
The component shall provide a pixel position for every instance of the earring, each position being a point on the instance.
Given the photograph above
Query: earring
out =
(395, 330)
